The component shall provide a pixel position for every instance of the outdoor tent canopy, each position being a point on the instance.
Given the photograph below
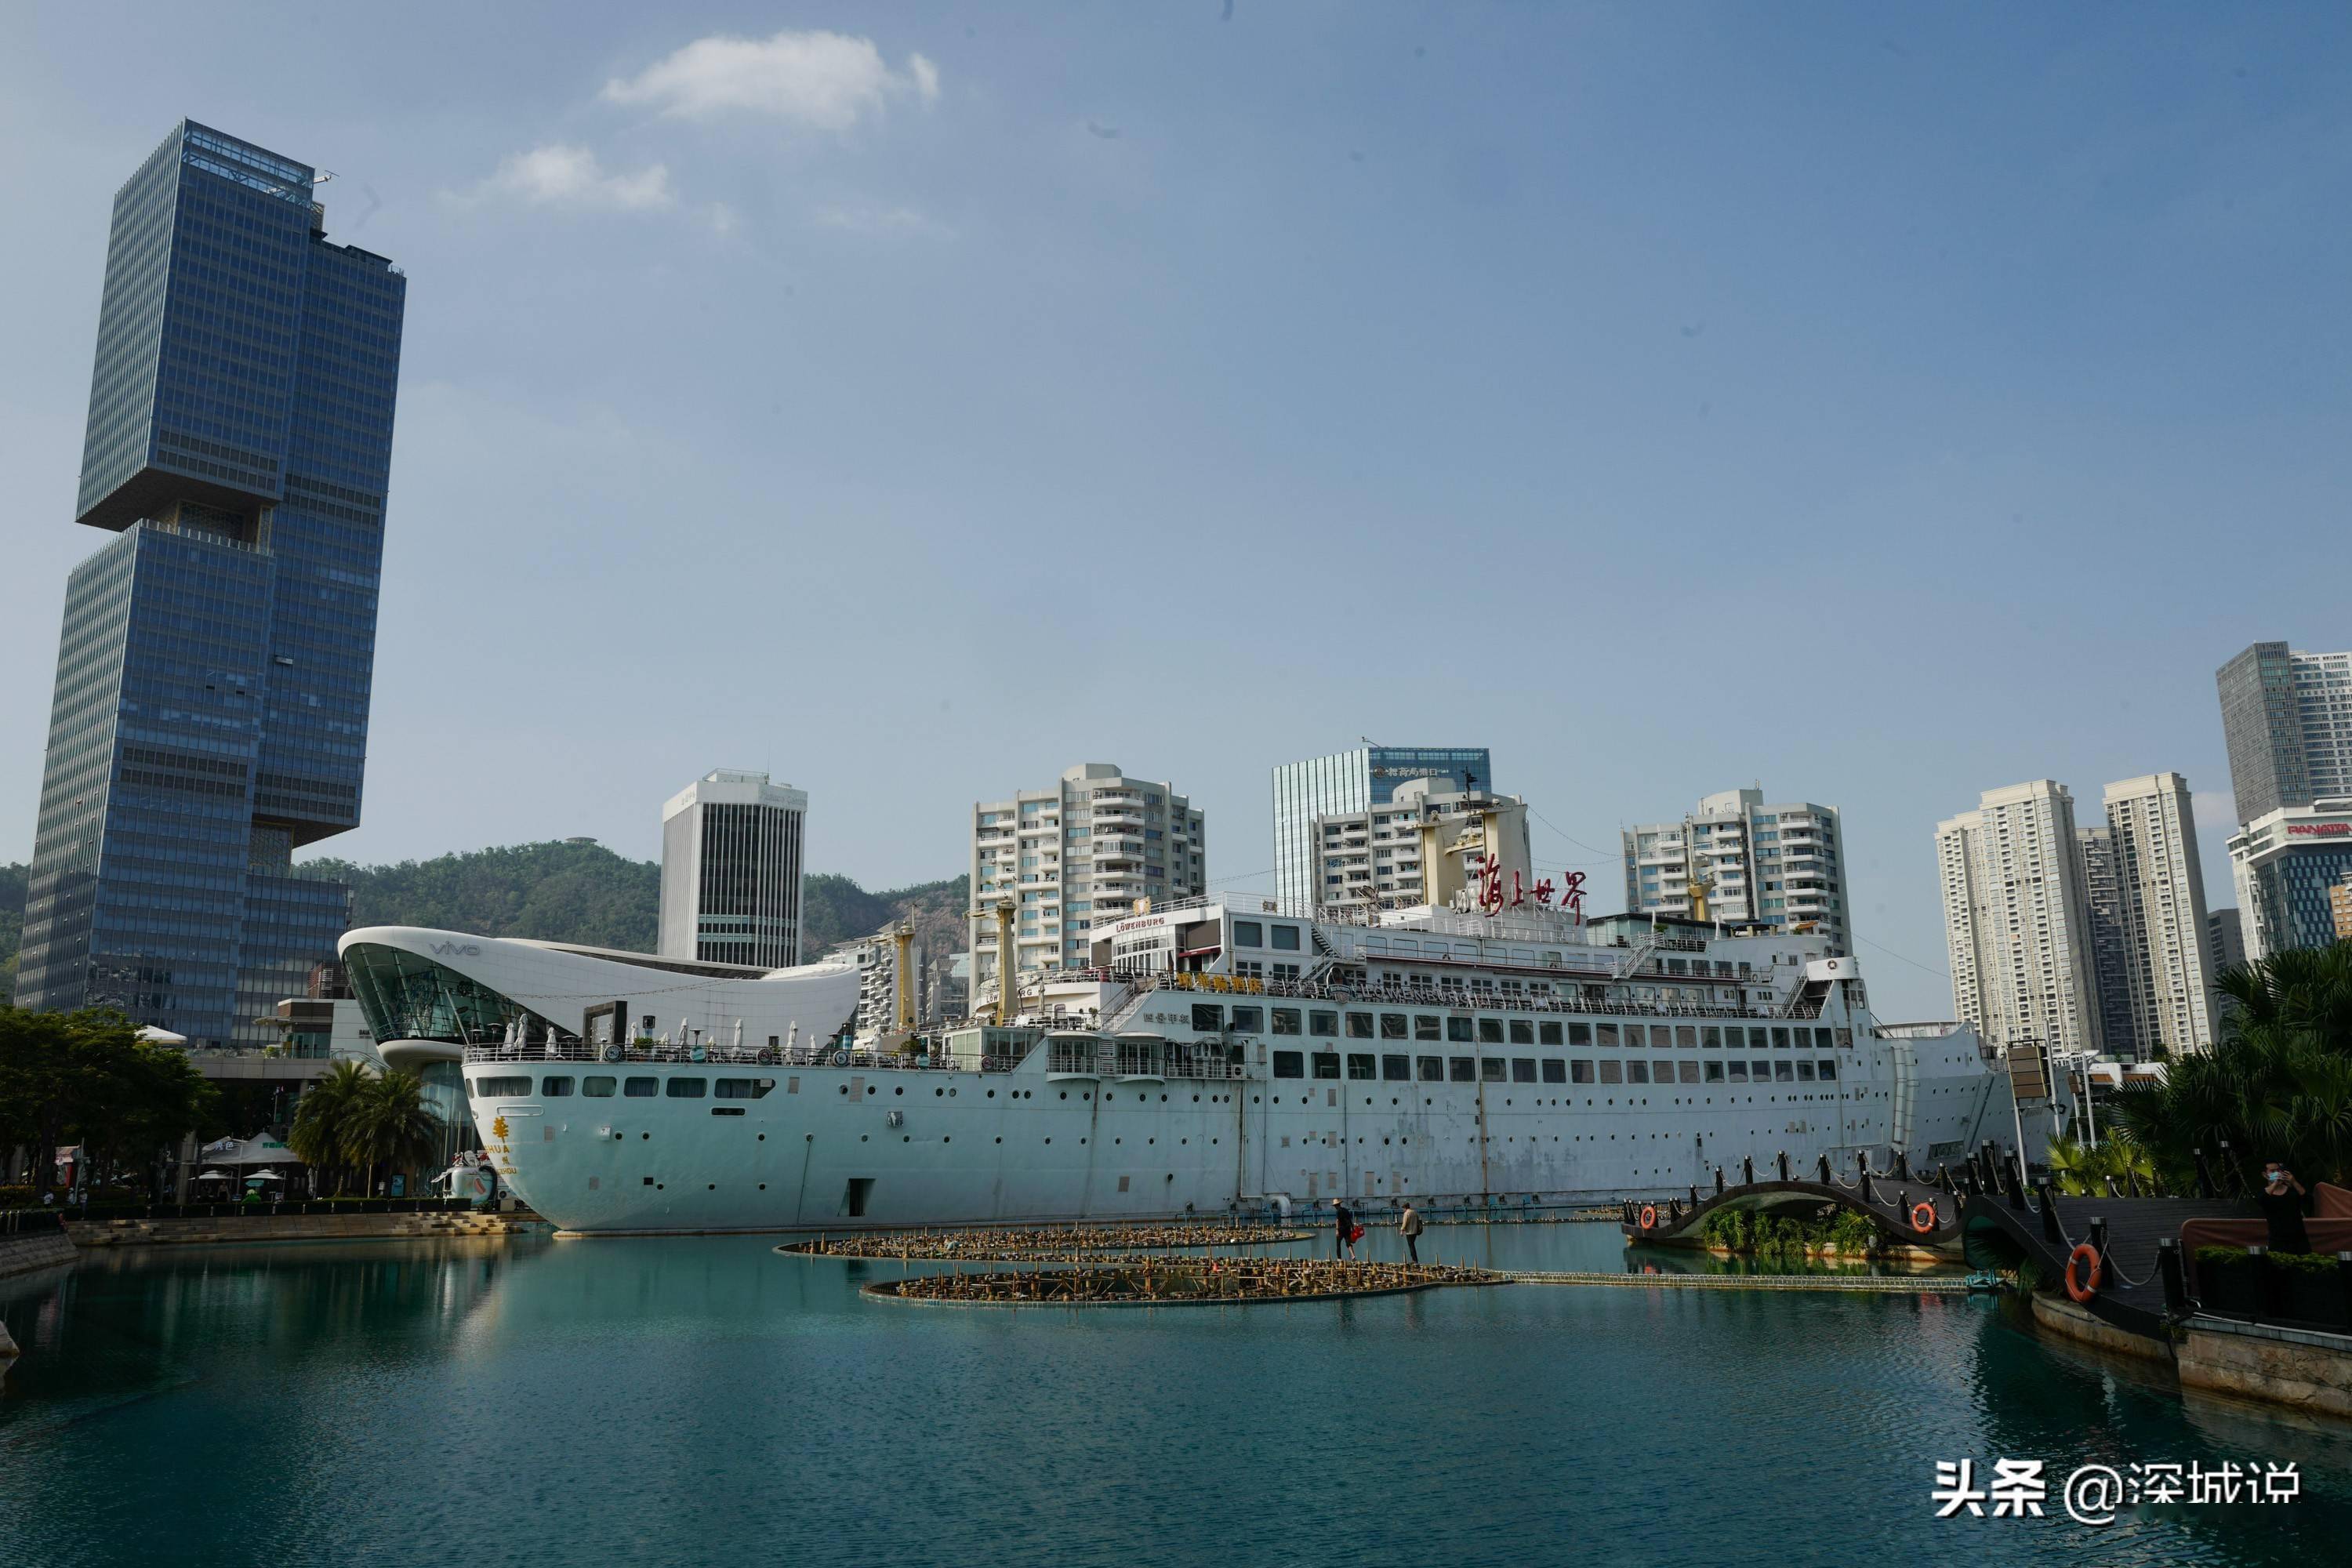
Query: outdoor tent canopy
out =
(260, 1149)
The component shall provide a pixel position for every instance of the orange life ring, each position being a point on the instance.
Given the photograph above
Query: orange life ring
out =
(1649, 1216)
(2090, 1285)
(1923, 1216)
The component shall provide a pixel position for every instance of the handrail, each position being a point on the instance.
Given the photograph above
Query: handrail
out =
(1487, 1001)
(583, 1053)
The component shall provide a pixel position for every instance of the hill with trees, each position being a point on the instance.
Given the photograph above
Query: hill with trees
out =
(555, 891)
(12, 924)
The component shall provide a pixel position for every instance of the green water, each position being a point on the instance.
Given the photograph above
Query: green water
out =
(705, 1400)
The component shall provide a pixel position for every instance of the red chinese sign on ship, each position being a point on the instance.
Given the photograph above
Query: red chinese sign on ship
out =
(1492, 902)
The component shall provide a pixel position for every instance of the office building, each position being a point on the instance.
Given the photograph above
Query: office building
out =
(2162, 907)
(2016, 918)
(2225, 949)
(2287, 865)
(2225, 944)
(1347, 782)
(210, 708)
(1081, 851)
(2102, 889)
(730, 885)
(1425, 846)
(2287, 719)
(1743, 861)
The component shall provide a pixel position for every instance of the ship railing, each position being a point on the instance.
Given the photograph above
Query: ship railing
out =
(864, 1060)
(1504, 1002)
(1456, 996)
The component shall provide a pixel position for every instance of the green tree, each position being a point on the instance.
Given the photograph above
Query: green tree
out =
(2277, 1086)
(88, 1079)
(320, 1135)
(390, 1125)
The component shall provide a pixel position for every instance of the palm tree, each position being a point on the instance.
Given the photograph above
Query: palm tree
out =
(390, 1123)
(2083, 1169)
(320, 1136)
(2278, 1086)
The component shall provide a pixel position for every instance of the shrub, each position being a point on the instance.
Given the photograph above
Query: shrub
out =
(2293, 1262)
(1852, 1232)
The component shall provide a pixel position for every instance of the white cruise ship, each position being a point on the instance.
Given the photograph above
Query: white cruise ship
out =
(1217, 1057)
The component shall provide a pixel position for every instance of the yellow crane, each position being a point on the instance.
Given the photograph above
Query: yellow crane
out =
(1007, 991)
(902, 973)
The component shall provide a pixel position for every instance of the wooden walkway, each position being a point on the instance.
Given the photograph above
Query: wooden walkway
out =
(2131, 1293)
(1875, 1284)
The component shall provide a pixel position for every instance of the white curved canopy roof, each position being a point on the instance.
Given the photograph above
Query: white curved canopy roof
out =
(560, 983)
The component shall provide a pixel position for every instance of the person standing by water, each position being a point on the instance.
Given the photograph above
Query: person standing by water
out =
(1343, 1236)
(2280, 1201)
(1409, 1227)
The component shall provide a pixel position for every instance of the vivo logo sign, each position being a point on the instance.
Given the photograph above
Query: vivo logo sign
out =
(456, 950)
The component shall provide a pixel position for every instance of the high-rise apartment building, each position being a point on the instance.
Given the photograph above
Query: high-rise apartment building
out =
(731, 884)
(1737, 859)
(1081, 852)
(2169, 981)
(2286, 717)
(1347, 782)
(1424, 847)
(2016, 917)
(213, 672)
(2287, 865)
(2102, 889)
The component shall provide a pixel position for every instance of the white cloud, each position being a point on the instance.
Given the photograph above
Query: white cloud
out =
(869, 220)
(561, 174)
(827, 80)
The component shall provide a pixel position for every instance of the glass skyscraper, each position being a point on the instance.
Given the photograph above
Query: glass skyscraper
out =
(210, 708)
(1351, 781)
(2286, 716)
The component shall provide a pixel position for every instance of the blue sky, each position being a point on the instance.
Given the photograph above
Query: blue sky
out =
(917, 400)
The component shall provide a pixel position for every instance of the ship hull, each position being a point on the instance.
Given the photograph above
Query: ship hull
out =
(832, 1148)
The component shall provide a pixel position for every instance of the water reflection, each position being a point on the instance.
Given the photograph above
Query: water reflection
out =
(701, 1399)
